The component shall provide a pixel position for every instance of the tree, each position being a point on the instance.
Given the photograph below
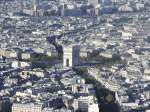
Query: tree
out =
(109, 98)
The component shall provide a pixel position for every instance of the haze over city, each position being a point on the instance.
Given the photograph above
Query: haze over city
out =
(74, 55)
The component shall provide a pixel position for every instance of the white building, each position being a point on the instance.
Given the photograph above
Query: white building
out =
(71, 56)
(93, 2)
(93, 108)
(18, 64)
(87, 104)
(25, 56)
(26, 108)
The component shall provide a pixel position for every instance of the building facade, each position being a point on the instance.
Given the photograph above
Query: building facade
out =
(71, 56)
(27, 108)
